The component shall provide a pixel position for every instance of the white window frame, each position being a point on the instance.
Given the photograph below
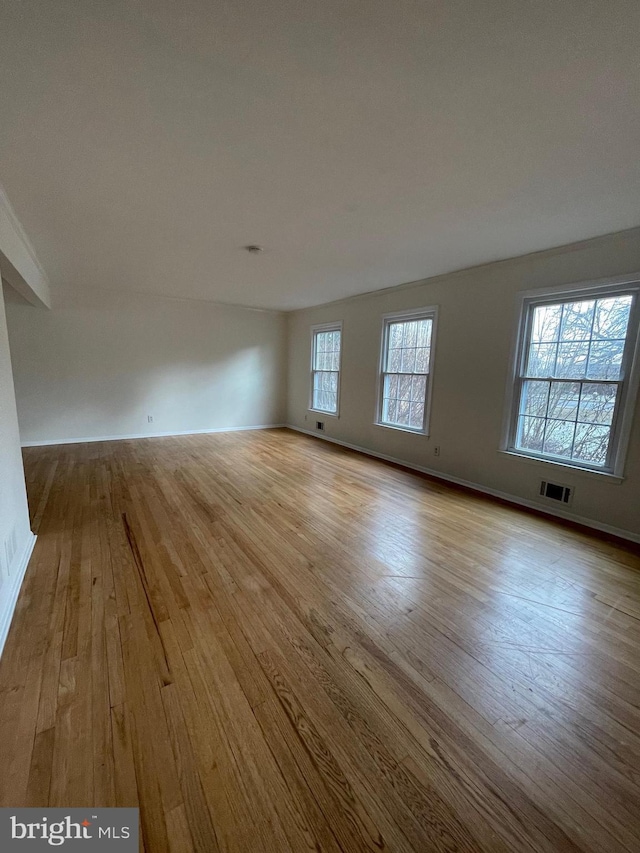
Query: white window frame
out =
(629, 378)
(428, 313)
(325, 327)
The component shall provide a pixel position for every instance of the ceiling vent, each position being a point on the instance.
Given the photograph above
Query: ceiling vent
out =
(556, 492)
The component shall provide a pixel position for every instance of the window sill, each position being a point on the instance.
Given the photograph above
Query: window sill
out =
(401, 428)
(588, 472)
(322, 412)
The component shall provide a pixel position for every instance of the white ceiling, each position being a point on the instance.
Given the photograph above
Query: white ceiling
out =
(363, 143)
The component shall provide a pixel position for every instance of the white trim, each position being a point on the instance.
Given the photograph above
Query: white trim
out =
(613, 282)
(430, 312)
(19, 229)
(323, 412)
(621, 427)
(583, 472)
(401, 428)
(325, 327)
(476, 487)
(46, 442)
(98, 292)
(19, 264)
(13, 585)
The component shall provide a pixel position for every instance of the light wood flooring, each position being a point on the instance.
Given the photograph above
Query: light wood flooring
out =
(269, 643)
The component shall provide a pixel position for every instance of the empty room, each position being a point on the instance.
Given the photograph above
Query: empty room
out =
(320, 426)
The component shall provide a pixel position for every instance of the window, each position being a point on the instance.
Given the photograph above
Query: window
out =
(325, 368)
(573, 383)
(405, 370)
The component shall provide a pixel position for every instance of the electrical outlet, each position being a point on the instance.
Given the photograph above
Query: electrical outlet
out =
(436, 450)
(150, 418)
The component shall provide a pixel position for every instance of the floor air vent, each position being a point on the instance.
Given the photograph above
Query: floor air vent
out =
(556, 492)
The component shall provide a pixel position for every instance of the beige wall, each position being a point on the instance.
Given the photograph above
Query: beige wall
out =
(477, 317)
(99, 364)
(15, 535)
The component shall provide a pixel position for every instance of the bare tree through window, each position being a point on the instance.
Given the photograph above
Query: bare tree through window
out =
(406, 361)
(325, 370)
(571, 382)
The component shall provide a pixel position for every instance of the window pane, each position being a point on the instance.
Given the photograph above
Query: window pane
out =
(612, 317)
(418, 388)
(325, 391)
(408, 360)
(563, 400)
(395, 360)
(542, 360)
(391, 386)
(404, 388)
(572, 360)
(403, 400)
(605, 359)
(395, 335)
(597, 403)
(535, 396)
(408, 346)
(403, 413)
(530, 433)
(424, 333)
(577, 320)
(410, 334)
(546, 323)
(416, 419)
(592, 443)
(558, 438)
(422, 360)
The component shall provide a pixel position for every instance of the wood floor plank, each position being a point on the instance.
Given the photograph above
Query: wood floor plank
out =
(268, 643)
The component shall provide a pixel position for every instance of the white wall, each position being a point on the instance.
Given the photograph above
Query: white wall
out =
(99, 364)
(475, 333)
(16, 539)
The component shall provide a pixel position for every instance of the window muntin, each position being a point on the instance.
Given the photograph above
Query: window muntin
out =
(406, 363)
(571, 382)
(325, 369)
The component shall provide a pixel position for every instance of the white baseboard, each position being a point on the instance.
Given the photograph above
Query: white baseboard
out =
(505, 496)
(47, 442)
(11, 588)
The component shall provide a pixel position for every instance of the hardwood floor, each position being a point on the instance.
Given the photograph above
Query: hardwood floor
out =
(273, 644)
